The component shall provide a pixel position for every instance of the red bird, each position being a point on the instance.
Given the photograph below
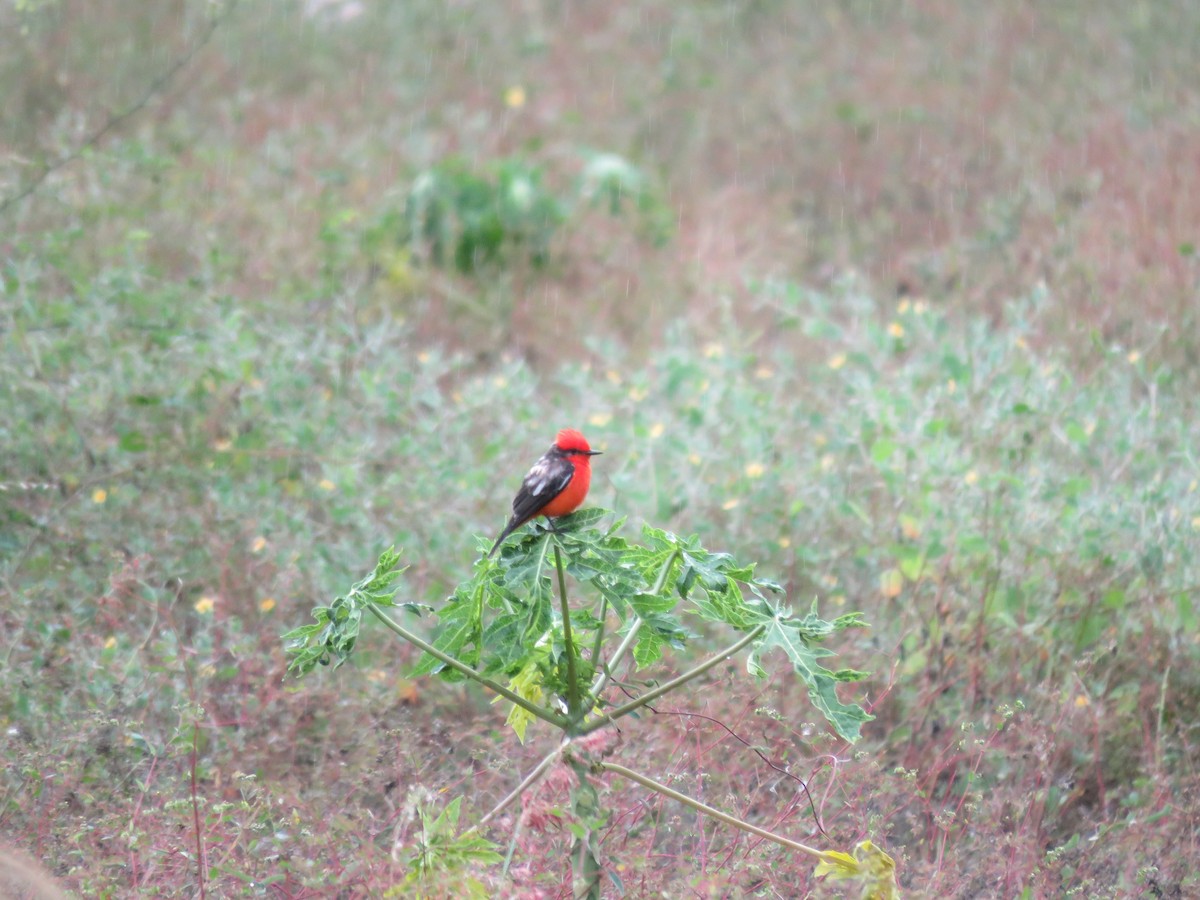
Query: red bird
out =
(556, 485)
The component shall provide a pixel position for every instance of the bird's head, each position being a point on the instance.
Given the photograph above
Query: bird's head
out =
(571, 443)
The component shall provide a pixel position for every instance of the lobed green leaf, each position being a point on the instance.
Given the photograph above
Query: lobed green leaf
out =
(794, 638)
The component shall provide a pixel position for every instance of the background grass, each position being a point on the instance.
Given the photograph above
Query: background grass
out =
(903, 305)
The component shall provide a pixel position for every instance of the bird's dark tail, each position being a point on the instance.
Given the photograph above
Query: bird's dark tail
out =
(512, 526)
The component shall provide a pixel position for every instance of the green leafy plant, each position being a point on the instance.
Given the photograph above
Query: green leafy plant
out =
(555, 661)
(477, 218)
(457, 216)
(611, 181)
(437, 848)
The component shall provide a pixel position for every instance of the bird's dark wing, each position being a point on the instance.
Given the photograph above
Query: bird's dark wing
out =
(547, 479)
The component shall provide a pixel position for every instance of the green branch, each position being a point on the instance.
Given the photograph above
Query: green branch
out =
(573, 704)
(601, 766)
(525, 784)
(513, 697)
(632, 705)
(600, 633)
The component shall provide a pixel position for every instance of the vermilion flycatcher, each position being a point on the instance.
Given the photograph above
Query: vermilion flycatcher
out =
(556, 485)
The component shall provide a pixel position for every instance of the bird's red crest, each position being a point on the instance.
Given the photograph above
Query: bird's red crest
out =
(570, 439)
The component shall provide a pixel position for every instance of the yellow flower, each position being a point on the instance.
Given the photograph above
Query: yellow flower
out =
(762, 373)
(755, 470)
(694, 459)
(1134, 356)
(423, 356)
(904, 306)
(258, 544)
(266, 604)
(204, 605)
(971, 477)
(837, 361)
(729, 504)
(657, 429)
(99, 495)
(1196, 524)
(600, 419)
(110, 642)
(514, 97)
(895, 329)
(326, 485)
(223, 445)
(785, 542)
(713, 350)
(638, 394)
(613, 376)
(1081, 701)
(500, 381)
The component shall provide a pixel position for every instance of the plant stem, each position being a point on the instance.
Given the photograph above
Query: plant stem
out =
(585, 880)
(586, 870)
(573, 704)
(705, 808)
(631, 636)
(657, 692)
(603, 676)
(532, 708)
(599, 642)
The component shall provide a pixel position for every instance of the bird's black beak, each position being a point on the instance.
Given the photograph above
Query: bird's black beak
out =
(594, 452)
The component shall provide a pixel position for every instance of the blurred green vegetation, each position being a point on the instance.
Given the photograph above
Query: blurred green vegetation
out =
(213, 470)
